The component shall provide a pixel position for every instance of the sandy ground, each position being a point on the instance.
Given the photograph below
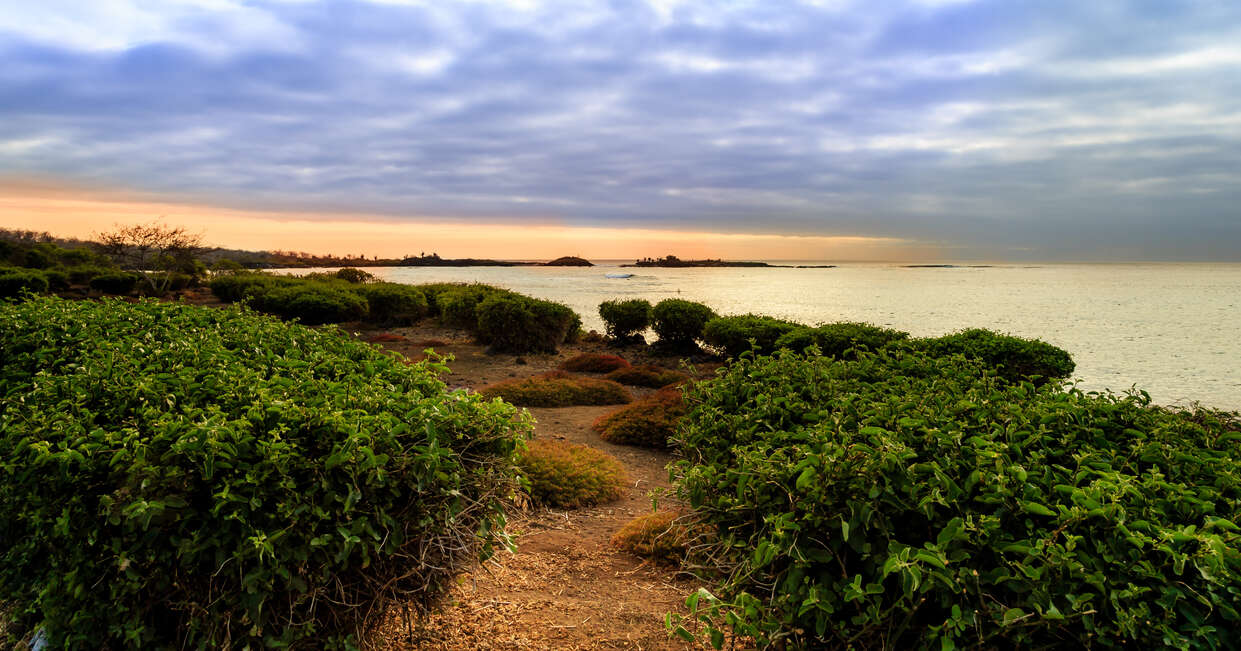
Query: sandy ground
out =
(566, 587)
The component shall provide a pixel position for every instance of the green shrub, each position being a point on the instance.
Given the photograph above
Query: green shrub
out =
(238, 287)
(838, 339)
(558, 389)
(593, 363)
(1014, 357)
(625, 319)
(648, 423)
(186, 477)
(311, 303)
(647, 375)
(14, 283)
(457, 306)
(37, 258)
(353, 275)
(661, 535)
(567, 475)
(731, 335)
(57, 279)
(119, 283)
(393, 304)
(679, 322)
(82, 274)
(513, 323)
(906, 501)
(433, 292)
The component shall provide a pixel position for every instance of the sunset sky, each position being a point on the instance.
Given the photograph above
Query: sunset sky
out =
(833, 129)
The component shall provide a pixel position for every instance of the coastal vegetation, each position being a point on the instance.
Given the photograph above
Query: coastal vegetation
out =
(679, 323)
(662, 536)
(649, 422)
(558, 389)
(568, 476)
(625, 320)
(594, 363)
(647, 375)
(174, 476)
(913, 499)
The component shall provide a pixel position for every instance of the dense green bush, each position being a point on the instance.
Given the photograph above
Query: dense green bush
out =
(567, 475)
(458, 306)
(57, 279)
(512, 323)
(679, 322)
(119, 283)
(393, 304)
(353, 275)
(14, 282)
(82, 274)
(311, 303)
(905, 501)
(185, 477)
(731, 335)
(558, 389)
(1014, 357)
(625, 319)
(838, 339)
(238, 287)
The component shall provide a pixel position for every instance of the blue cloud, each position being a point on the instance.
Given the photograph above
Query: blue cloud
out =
(1037, 129)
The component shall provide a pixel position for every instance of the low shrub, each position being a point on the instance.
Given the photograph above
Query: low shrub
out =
(311, 303)
(188, 477)
(1014, 357)
(567, 475)
(839, 340)
(82, 274)
(661, 535)
(353, 275)
(433, 292)
(392, 303)
(907, 501)
(625, 319)
(457, 306)
(119, 283)
(57, 279)
(558, 389)
(512, 323)
(14, 283)
(650, 422)
(679, 322)
(236, 287)
(647, 375)
(594, 363)
(731, 335)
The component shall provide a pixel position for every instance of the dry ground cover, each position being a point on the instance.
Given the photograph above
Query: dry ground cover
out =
(566, 587)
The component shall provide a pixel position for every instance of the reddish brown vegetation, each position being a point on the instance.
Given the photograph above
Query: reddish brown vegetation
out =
(568, 475)
(385, 338)
(594, 363)
(558, 389)
(648, 423)
(647, 375)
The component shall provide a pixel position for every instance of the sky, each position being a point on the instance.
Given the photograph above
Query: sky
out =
(831, 129)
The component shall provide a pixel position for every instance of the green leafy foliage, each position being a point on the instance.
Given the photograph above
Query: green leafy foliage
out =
(391, 304)
(732, 335)
(57, 279)
(353, 275)
(458, 306)
(119, 283)
(840, 340)
(558, 389)
(907, 501)
(567, 475)
(679, 322)
(594, 363)
(1015, 358)
(647, 375)
(311, 303)
(16, 282)
(512, 323)
(82, 274)
(625, 319)
(184, 477)
(649, 422)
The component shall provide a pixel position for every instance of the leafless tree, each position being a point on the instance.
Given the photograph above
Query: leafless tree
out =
(155, 250)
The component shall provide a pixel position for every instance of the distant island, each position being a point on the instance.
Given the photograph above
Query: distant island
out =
(569, 261)
(673, 261)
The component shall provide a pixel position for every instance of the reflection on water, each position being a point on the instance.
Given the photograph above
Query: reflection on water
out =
(1171, 329)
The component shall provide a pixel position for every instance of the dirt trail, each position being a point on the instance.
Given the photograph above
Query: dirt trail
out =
(566, 587)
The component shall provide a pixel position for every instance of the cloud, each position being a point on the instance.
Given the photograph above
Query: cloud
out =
(991, 125)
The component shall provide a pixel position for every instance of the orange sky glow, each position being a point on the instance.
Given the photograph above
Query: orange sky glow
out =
(77, 212)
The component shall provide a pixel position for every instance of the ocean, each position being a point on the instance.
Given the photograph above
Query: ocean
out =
(1173, 330)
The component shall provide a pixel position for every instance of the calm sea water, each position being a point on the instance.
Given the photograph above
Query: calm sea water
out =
(1173, 330)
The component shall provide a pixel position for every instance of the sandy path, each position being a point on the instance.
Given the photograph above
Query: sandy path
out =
(566, 587)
